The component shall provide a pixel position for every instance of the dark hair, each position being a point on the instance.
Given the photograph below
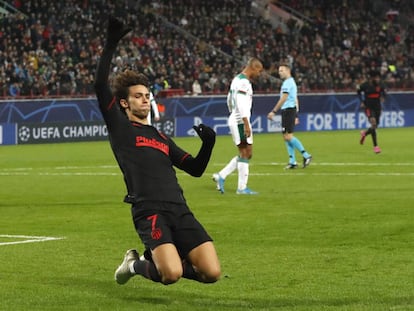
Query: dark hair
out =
(126, 79)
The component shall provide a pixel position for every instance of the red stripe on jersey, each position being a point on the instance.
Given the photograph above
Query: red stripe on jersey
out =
(109, 107)
(184, 157)
(162, 135)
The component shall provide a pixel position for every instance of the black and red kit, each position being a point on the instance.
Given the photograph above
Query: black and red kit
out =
(145, 155)
(147, 159)
(371, 94)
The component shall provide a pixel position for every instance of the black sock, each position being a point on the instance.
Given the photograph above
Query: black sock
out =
(189, 272)
(374, 137)
(368, 131)
(147, 269)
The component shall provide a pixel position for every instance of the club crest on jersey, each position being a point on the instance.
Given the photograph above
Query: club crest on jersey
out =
(156, 233)
(141, 141)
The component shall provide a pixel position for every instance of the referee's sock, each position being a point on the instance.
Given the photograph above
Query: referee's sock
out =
(291, 152)
(298, 145)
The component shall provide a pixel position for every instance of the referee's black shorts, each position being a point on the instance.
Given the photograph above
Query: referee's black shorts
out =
(288, 120)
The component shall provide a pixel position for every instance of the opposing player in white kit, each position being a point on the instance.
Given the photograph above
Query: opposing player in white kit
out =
(239, 102)
(154, 110)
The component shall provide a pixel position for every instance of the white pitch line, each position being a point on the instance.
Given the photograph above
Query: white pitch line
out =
(328, 164)
(112, 170)
(59, 174)
(24, 170)
(29, 239)
(13, 174)
(287, 173)
(295, 172)
(83, 167)
(78, 174)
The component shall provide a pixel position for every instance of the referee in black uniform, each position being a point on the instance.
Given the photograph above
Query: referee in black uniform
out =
(176, 244)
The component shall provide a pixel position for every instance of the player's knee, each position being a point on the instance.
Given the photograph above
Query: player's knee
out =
(247, 156)
(212, 275)
(169, 280)
(287, 136)
(215, 274)
(171, 276)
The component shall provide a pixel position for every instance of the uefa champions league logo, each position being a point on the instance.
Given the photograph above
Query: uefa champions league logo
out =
(168, 127)
(24, 133)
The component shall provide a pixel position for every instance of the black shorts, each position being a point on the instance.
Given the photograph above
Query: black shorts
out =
(373, 113)
(158, 223)
(288, 120)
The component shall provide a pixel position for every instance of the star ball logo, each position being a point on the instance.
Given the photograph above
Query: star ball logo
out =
(24, 133)
(168, 127)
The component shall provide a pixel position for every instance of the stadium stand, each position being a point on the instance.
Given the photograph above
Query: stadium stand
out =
(50, 48)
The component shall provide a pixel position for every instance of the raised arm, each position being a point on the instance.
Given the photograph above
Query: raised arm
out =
(116, 30)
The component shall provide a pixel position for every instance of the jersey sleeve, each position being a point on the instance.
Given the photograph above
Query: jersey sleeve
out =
(195, 166)
(177, 155)
(107, 102)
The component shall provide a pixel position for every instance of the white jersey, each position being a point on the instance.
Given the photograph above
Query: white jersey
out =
(239, 99)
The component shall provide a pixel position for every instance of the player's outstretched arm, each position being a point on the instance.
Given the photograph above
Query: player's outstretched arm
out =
(116, 30)
(196, 166)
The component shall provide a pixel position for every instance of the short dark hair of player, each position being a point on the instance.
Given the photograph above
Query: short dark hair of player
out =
(126, 79)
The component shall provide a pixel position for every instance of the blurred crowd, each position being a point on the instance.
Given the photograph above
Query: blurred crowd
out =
(51, 48)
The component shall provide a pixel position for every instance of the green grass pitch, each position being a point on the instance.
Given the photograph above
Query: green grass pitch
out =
(338, 235)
